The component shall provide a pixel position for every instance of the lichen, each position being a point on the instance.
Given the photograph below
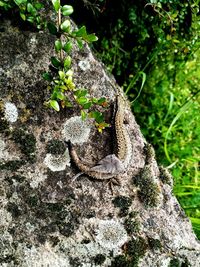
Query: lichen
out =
(76, 130)
(11, 113)
(84, 65)
(6, 249)
(2, 148)
(57, 162)
(111, 234)
(42, 256)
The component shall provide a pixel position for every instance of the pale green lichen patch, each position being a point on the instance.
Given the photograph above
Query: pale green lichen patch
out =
(2, 148)
(76, 130)
(111, 234)
(11, 112)
(42, 256)
(57, 162)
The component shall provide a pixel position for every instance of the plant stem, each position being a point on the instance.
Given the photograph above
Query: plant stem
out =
(59, 23)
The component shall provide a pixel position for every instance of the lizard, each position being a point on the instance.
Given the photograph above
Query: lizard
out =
(115, 164)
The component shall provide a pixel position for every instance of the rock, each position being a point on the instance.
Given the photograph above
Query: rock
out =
(46, 218)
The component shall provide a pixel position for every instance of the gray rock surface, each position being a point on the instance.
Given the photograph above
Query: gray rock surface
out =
(46, 219)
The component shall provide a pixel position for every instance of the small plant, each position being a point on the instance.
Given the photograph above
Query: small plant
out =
(29, 10)
(64, 93)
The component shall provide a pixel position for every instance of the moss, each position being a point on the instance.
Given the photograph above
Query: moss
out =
(123, 203)
(99, 259)
(165, 176)
(32, 201)
(131, 226)
(174, 263)
(14, 210)
(54, 240)
(148, 189)
(4, 125)
(55, 147)
(17, 178)
(154, 244)
(149, 152)
(136, 249)
(26, 142)
(74, 262)
(12, 165)
(120, 261)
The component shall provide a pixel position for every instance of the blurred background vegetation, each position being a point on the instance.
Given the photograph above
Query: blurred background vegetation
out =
(152, 47)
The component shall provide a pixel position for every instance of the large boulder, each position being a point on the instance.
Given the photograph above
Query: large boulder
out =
(49, 219)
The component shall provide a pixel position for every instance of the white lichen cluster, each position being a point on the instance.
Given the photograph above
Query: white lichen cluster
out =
(42, 256)
(57, 162)
(84, 65)
(35, 177)
(2, 148)
(76, 130)
(11, 112)
(111, 234)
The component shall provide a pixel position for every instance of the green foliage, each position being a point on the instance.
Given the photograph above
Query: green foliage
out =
(63, 90)
(29, 10)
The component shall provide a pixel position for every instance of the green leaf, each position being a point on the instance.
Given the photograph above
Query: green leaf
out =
(101, 100)
(38, 5)
(23, 16)
(47, 76)
(80, 92)
(54, 104)
(55, 62)
(30, 19)
(56, 4)
(87, 105)
(58, 45)
(98, 116)
(66, 103)
(60, 96)
(91, 38)
(67, 47)
(20, 2)
(65, 26)
(52, 28)
(31, 9)
(80, 43)
(61, 75)
(83, 115)
(81, 32)
(67, 62)
(82, 100)
(67, 10)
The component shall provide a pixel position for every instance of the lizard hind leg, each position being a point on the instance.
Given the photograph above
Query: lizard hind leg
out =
(110, 164)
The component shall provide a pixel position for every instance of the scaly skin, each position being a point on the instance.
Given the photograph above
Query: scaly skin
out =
(123, 141)
(123, 146)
